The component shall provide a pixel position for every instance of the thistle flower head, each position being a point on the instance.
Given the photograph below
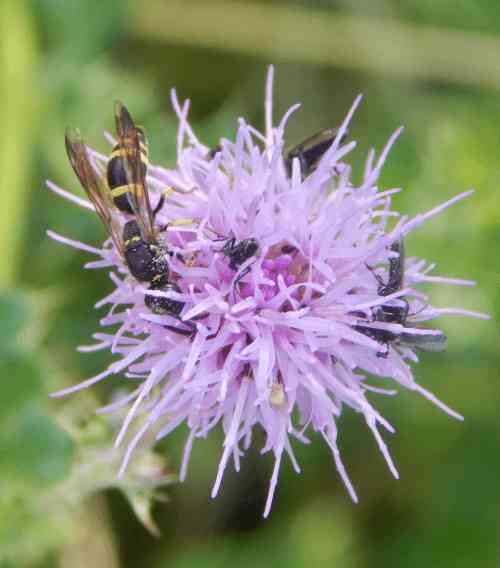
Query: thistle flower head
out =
(296, 296)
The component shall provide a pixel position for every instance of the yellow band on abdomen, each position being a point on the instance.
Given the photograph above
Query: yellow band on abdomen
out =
(122, 190)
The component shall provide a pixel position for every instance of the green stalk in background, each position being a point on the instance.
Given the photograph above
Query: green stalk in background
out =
(280, 32)
(17, 95)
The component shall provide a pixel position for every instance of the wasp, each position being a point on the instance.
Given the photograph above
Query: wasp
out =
(138, 242)
(310, 151)
(396, 311)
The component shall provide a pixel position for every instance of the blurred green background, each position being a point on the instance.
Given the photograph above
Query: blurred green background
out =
(432, 66)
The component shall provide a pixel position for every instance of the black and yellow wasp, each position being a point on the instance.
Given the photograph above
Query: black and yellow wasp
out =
(125, 190)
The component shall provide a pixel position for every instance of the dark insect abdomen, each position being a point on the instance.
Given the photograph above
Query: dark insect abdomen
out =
(117, 178)
(161, 305)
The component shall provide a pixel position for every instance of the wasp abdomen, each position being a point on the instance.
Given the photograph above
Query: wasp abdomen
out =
(118, 176)
(162, 305)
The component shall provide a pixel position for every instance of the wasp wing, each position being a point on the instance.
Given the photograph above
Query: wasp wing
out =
(430, 342)
(133, 144)
(311, 150)
(396, 266)
(93, 185)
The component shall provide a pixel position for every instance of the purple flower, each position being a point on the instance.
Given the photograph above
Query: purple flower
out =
(284, 334)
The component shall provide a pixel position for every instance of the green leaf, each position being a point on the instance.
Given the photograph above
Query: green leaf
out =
(36, 449)
(14, 312)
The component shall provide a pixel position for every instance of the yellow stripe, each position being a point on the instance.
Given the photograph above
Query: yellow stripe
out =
(183, 221)
(122, 153)
(132, 240)
(117, 191)
(118, 153)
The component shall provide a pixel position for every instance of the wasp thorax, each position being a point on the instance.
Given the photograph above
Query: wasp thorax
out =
(130, 231)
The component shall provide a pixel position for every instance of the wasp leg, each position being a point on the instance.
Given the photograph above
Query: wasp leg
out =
(384, 354)
(228, 245)
(219, 238)
(425, 306)
(193, 328)
(159, 205)
(180, 331)
(177, 223)
(188, 323)
(182, 221)
(166, 193)
(406, 308)
(240, 276)
(199, 317)
(377, 277)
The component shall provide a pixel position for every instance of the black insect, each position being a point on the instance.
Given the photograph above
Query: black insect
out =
(138, 242)
(239, 252)
(310, 151)
(382, 336)
(430, 341)
(396, 311)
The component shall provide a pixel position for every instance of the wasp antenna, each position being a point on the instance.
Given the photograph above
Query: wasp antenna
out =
(74, 142)
(124, 121)
(72, 135)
